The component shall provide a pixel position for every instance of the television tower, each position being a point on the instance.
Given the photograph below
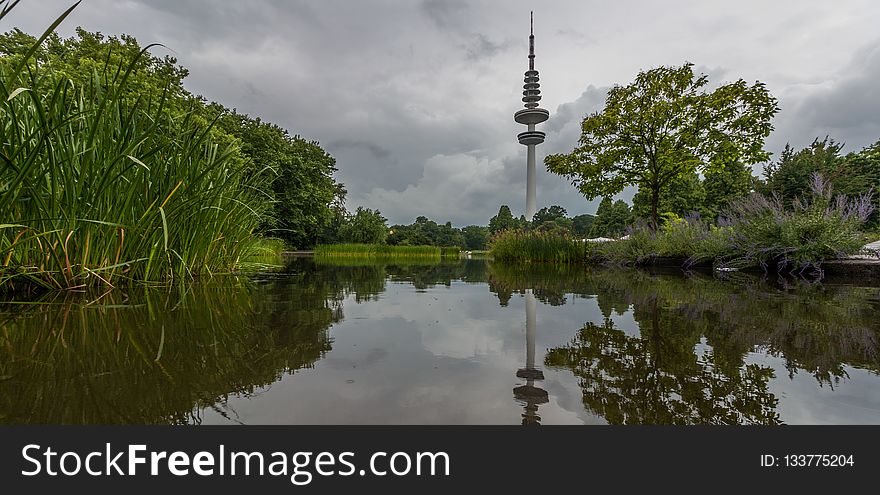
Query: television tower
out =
(530, 116)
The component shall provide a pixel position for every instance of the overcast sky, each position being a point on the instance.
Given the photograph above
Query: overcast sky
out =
(415, 99)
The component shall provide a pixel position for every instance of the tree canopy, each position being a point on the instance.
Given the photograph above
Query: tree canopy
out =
(504, 220)
(663, 125)
(612, 218)
(365, 226)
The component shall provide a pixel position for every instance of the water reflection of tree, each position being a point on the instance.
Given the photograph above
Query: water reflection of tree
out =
(819, 329)
(657, 378)
(147, 356)
(365, 278)
(814, 328)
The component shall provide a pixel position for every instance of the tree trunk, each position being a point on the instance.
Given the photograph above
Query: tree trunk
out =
(655, 198)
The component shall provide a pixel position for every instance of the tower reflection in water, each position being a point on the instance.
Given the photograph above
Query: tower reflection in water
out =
(529, 394)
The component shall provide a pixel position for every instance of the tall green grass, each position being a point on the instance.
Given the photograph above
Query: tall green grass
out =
(516, 246)
(96, 188)
(378, 251)
(450, 252)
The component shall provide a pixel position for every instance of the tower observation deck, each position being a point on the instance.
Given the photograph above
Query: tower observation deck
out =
(531, 116)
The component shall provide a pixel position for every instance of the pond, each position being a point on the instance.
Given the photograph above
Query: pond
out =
(461, 342)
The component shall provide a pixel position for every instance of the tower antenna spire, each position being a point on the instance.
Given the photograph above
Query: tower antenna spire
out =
(532, 40)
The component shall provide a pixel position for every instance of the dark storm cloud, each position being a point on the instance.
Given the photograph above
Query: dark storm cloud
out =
(846, 108)
(415, 99)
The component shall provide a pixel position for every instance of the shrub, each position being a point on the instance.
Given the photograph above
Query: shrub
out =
(816, 228)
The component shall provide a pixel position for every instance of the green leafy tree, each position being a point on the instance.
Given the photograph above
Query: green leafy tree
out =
(303, 186)
(504, 220)
(612, 218)
(425, 232)
(365, 226)
(723, 185)
(476, 238)
(554, 212)
(851, 175)
(664, 125)
(683, 196)
(552, 219)
(790, 176)
(582, 224)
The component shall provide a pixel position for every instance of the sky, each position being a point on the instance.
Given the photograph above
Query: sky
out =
(415, 99)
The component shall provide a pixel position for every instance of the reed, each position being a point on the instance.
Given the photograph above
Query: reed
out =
(97, 188)
(514, 246)
(377, 251)
(450, 252)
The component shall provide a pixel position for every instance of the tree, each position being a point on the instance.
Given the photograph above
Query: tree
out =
(365, 226)
(851, 175)
(790, 176)
(581, 224)
(303, 186)
(425, 232)
(662, 126)
(683, 196)
(612, 219)
(476, 238)
(554, 212)
(504, 220)
(733, 181)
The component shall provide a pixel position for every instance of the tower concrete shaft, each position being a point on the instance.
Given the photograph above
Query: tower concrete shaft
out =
(531, 182)
(531, 116)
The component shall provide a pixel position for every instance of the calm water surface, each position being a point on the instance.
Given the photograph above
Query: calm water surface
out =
(465, 342)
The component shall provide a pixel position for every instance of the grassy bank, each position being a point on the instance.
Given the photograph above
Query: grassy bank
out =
(756, 232)
(378, 251)
(385, 251)
(98, 188)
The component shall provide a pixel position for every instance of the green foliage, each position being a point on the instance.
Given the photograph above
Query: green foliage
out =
(852, 175)
(366, 226)
(612, 219)
(757, 232)
(302, 193)
(813, 229)
(789, 178)
(685, 195)
(665, 125)
(724, 185)
(378, 251)
(504, 220)
(552, 219)
(266, 247)
(551, 214)
(451, 252)
(476, 238)
(425, 232)
(303, 189)
(98, 187)
(517, 246)
(581, 225)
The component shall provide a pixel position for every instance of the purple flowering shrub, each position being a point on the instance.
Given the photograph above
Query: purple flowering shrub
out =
(816, 228)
